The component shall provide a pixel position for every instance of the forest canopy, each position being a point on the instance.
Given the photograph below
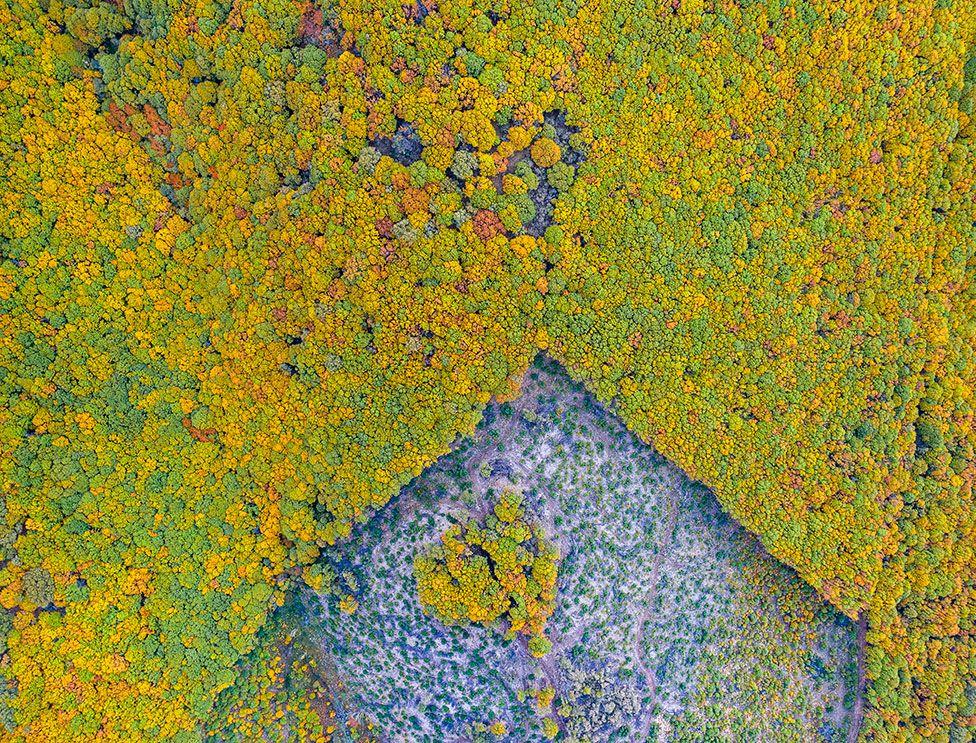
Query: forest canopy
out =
(262, 261)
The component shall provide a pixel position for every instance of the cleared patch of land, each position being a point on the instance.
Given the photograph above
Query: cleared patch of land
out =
(671, 622)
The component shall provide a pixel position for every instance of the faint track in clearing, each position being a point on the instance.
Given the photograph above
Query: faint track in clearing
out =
(857, 715)
(650, 677)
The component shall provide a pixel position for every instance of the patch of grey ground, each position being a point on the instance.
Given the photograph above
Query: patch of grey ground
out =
(668, 623)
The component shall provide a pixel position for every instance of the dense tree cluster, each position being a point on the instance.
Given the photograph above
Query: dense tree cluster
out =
(261, 261)
(500, 568)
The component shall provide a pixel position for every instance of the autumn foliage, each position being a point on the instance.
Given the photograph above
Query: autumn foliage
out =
(262, 261)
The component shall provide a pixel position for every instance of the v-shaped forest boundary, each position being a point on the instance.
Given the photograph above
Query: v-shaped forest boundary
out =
(665, 605)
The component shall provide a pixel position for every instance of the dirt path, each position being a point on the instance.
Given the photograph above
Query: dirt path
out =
(483, 446)
(649, 676)
(328, 675)
(857, 715)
